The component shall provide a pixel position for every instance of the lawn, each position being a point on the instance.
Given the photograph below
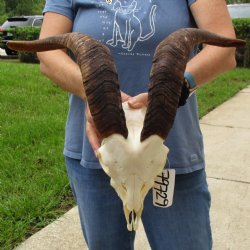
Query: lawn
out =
(34, 189)
(221, 89)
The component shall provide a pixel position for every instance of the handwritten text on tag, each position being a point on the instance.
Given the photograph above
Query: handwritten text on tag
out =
(163, 189)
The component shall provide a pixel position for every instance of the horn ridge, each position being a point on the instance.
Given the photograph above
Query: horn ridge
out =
(102, 88)
(167, 76)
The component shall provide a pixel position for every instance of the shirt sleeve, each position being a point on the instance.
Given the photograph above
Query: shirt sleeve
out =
(190, 2)
(63, 7)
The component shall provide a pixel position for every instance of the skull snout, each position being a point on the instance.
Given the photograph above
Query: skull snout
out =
(134, 196)
(133, 221)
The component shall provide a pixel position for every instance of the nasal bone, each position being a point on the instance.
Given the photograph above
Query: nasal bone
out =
(134, 193)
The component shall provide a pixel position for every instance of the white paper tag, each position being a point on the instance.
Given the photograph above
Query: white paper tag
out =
(163, 190)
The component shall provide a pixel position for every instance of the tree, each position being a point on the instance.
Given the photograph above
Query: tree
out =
(10, 5)
(2, 11)
(2, 6)
(23, 7)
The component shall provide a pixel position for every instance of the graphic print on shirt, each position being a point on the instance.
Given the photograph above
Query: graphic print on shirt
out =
(127, 28)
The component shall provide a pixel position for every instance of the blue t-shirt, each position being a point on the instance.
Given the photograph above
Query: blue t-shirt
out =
(132, 29)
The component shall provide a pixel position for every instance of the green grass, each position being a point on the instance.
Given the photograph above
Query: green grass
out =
(34, 189)
(221, 89)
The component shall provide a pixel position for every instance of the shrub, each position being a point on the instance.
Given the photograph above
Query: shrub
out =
(26, 33)
(242, 29)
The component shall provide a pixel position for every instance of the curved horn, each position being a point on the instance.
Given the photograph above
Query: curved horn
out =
(99, 75)
(166, 77)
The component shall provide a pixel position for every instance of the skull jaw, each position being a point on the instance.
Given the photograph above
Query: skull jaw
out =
(132, 217)
(132, 213)
(132, 223)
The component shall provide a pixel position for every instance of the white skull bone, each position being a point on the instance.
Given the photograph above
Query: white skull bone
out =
(131, 164)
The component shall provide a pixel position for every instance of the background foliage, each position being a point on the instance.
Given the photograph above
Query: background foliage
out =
(242, 29)
(237, 1)
(26, 33)
(10, 8)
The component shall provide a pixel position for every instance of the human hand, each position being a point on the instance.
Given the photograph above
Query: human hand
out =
(138, 101)
(91, 131)
(125, 97)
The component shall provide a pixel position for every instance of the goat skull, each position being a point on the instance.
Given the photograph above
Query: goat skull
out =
(131, 164)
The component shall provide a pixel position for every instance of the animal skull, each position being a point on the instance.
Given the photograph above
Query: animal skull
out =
(131, 164)
(132, 151)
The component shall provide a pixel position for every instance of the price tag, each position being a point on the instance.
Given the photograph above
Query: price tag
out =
(163, 190)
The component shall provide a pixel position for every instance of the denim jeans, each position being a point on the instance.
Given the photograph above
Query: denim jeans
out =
(183, 226)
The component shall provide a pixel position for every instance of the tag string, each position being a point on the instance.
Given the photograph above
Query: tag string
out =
(168, 163)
